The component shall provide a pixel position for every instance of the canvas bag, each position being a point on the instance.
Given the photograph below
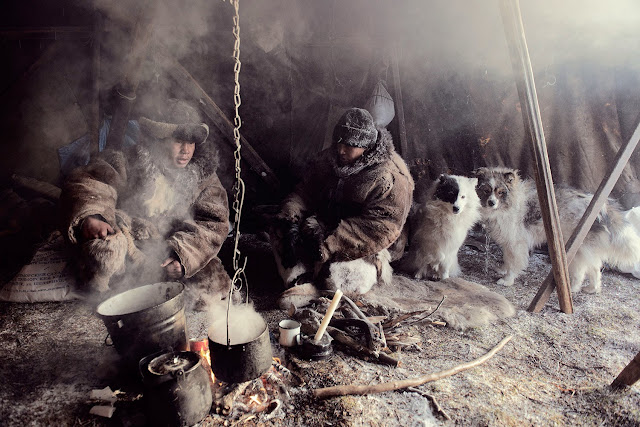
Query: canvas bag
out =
(47, 277)
(380, 105)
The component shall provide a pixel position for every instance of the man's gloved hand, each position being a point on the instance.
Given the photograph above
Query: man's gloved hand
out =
(313, 238)
(93, 227)
(290, 242)
(172, 268)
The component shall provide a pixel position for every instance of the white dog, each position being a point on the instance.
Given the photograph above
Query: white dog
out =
(511, 212)
(438, 224)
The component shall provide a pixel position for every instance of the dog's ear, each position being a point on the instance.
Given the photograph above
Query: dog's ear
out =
(509, 177)
(479, 173)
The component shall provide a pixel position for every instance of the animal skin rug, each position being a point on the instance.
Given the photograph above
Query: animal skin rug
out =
(467, 304)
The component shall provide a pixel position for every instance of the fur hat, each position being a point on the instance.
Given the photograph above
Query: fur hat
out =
(177, 120)
(356, 129)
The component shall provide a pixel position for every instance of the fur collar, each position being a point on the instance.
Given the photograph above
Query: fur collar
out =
(146, 156)
(380, 152)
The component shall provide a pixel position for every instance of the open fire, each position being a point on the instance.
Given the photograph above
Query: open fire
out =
(261, 398)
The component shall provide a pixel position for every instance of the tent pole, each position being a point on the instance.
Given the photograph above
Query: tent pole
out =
(189, 84)
(125, 92)
(598, 200)
(94, 126)
(521, 63)
(397, 89)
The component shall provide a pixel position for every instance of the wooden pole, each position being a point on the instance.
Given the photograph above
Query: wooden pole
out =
(629, 375)
(125, 92)
(189, 84)
(94, 126)
(46, 56)
(523, 72)
(581, 230)
(397, 89)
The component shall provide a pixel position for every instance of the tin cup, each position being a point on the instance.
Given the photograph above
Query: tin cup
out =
(289, 333)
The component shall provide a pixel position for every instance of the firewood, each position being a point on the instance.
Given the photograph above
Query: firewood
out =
(344, 390)
(346, 340)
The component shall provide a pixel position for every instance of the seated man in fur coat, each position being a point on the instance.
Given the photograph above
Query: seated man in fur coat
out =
(335, 228)
(151, 212)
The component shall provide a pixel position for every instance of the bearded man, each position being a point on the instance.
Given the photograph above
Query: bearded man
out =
(335, 228)
(152, 211)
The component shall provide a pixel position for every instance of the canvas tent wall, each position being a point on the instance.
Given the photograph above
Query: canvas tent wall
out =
(305, 61)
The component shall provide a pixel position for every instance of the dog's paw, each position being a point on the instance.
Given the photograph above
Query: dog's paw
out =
(506, 281)
(501, 270)
(592, 289)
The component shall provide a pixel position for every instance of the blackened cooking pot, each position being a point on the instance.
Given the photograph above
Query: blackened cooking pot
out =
(238, 363)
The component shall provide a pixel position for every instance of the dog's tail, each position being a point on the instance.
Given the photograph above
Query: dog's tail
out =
(616, 237)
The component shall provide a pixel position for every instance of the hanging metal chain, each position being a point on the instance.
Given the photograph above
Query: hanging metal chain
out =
(238, 189)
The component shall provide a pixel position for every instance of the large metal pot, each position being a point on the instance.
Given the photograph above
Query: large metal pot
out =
(145, 320)
(177, 391)
(238, 363)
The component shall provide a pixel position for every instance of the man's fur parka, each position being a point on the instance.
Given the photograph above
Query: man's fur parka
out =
(361, 207)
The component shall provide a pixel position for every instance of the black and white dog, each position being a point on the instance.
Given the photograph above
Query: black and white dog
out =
(438, 225)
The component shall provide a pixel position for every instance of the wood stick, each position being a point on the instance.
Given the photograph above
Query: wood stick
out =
(629, 375)
(397, 91)
(346, 340)
(434, 402)
(343, 390)
(589, 216)
(327, 316)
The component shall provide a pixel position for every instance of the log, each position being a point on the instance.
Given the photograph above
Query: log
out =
(521, 63)
(343, 390)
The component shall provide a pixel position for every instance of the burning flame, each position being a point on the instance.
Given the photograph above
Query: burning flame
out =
(202, 348)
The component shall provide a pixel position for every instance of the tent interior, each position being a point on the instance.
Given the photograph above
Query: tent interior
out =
(76, 70)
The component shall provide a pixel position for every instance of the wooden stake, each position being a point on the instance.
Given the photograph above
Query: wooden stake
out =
(629, 375)
(523, 72)
(343, 390)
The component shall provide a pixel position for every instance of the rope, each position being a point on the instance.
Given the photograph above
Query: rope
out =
(239, 276)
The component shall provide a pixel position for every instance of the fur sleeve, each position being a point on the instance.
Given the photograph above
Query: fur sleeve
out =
(379, 224)
(196, 241)
(92, 190)
(297, 205)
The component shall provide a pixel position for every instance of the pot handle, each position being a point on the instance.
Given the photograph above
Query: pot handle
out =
(108, 341)
(178, 375)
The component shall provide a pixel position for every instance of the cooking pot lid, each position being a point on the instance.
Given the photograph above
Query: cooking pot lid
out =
(170, 363)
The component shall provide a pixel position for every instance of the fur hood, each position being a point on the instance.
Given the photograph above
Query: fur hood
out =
(380, 152)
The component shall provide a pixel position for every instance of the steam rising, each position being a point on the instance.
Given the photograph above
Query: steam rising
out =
(245, 324)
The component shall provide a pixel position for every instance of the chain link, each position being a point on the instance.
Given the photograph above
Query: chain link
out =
(239, 188)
